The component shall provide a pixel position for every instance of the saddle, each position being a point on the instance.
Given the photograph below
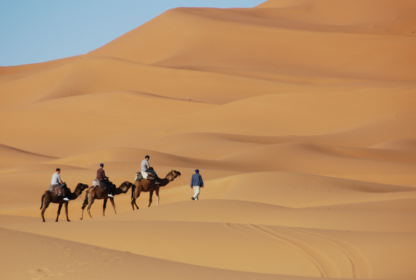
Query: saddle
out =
(104, 184)
(144, 175)
(56, 190)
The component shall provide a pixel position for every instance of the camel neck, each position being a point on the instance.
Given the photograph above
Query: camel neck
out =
(164, 182)
(124, 188)
(75, 194)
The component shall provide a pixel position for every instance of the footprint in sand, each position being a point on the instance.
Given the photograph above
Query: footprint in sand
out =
(315, 247)
(42, 273)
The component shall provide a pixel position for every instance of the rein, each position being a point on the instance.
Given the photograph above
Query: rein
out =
(183, 186)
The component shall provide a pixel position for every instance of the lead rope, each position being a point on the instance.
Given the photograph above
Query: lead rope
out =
(183, 186)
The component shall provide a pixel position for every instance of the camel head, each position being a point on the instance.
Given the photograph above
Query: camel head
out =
(125, 186)
(173, 175)
(78, 190)
(82, 187)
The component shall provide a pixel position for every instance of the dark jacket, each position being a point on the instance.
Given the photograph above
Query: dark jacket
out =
(197, 180)
(101, 174)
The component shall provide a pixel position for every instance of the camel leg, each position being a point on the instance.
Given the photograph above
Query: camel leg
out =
(84, 204)
(59, 211)
(82, 212)
(158, 197)
(135, 201)
(66, 211)
(150, 198)
(132, 203)
(90, 202)
(46, 202)
(135, 197)
(104, 206)
(114, 205)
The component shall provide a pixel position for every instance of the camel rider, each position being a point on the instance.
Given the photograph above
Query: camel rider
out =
(146, 168)
(103, 180)
(56, 180)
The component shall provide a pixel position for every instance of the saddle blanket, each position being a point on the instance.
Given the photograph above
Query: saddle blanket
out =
(56, 189)
(144, 175)
(95, 183)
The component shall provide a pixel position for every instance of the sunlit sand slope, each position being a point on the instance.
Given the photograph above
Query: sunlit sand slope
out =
(291, 251)
(55, 258)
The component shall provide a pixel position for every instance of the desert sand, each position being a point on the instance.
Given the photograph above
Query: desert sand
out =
(300, 115)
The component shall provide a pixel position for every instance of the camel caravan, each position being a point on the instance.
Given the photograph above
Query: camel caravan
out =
(103, 189)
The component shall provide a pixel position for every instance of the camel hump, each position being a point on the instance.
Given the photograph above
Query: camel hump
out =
(144, 175)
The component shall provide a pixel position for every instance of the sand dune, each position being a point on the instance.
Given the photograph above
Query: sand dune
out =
(395, 205)
(100, 105)
(90, 262)
(302, 190)
(384, 216)
(13, 157)
(407, 145)
(194, 44)
(333, 160)
(299, 114)
(293, 251)
(23, 70)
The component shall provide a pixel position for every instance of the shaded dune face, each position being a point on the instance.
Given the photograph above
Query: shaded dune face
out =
(300, 115)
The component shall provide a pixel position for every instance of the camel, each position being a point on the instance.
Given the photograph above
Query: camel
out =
(49, 197)
(94, 193)
(150, 186)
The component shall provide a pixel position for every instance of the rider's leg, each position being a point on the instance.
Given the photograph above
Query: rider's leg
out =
(110, 190)
(157, 180)
(65, 192)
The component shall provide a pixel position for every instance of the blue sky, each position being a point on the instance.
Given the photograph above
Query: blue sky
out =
(40, 30)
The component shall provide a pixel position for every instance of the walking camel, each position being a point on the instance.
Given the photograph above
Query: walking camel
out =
(94, 193)
(150, 186)
(50, 197)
